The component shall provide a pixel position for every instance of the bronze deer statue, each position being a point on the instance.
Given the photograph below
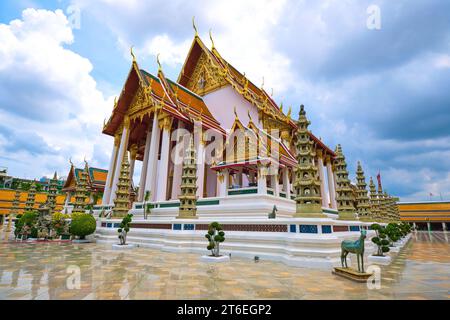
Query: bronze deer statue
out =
(356, 247)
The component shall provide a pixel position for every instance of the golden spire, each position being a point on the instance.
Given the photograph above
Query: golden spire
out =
(158, 62)
(212, 41)
(194, 26)
(70, 161)
(132, 54)
(281, 107)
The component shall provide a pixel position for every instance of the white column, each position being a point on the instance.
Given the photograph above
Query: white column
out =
(322, 183)
(150, 180)
(161, 186)
(133, 155)
(200, 168)
(331, 185)
(122, 149)
(444, 227)
(286, 184)
(262, 182)
(68, 196)
(178, 162)
(222, 182)
(110, 177)
(144, 166)
(275, 185)
(428, 226)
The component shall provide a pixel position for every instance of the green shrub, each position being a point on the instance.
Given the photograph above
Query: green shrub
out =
(124, 228)
(380, 239)
(83, 225)
(215, 236)
(25, 225)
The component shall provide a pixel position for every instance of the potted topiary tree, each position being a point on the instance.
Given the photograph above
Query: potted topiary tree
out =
(215, 236)
(146, 206)
(393, 233)
(81, 226)
(382, 244)
(123, 230)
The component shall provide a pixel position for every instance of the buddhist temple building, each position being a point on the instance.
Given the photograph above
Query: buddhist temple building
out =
(217, 104)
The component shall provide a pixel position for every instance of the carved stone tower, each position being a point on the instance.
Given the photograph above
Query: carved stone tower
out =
(80, 193)
(362, 199)
(30, 198)
(188, 198)
(16, 203)
(307, 183)
(51, 196)
(344, 197)
(374, 203)
(122, 200)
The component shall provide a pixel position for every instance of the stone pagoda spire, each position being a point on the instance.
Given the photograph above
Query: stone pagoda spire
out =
(188, 198)
(14, 209)
(80, 194)
(344, 197)
(389, 205)
(16, 203)
(307, 183)
(29, 205)
(362, 199)
(122, 200)
(374, 203)
(51, 196)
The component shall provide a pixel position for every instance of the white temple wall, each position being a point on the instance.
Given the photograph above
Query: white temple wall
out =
(211, 182)
(221, 103)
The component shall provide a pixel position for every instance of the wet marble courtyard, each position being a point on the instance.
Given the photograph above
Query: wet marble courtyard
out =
(93, 271)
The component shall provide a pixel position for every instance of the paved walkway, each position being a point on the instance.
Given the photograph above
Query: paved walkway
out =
(50, 271)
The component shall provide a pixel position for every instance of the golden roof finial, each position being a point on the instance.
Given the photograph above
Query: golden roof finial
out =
(249, 115)
(289, 112)
(158, 62)
(115, 101)
(132, 54)
(70, 161)
(281, 107)
(194, 26)
(212, 41)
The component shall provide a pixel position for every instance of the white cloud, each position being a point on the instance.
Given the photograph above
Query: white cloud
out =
(47, 93)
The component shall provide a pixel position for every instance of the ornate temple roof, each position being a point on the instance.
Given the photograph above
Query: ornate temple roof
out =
(96, 178)
(173, 98)
(253, 155)
(238, 81)
(183, 100)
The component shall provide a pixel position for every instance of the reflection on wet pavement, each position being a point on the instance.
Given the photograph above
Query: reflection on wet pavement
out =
(52, 271)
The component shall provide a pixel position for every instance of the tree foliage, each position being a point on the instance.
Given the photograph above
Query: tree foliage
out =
(215, 236)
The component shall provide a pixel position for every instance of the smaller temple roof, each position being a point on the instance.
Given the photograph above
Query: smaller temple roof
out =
(263, 140)
(96, 178)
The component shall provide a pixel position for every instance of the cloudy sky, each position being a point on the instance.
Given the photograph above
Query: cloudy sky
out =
(384, 94)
